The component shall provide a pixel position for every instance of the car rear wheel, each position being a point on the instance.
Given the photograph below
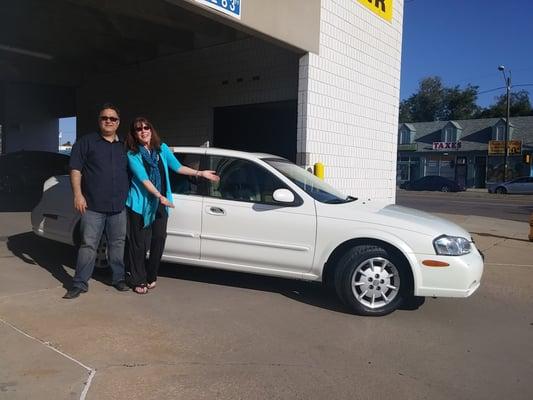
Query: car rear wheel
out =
(371, 280)
(445, 188)
(501, 190)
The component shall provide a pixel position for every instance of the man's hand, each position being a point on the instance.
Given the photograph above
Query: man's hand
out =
(80, 204)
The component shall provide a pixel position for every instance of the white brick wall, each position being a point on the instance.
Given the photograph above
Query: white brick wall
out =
(179, 92)
(348, 97)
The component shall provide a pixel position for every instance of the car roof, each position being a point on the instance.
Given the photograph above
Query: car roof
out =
(221, 152)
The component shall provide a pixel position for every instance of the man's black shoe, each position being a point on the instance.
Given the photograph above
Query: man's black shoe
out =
(73, 293)
(121, 286)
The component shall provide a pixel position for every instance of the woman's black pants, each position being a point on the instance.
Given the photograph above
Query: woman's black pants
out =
(140, 240)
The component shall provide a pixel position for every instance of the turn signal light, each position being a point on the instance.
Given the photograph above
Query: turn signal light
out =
(435, 263)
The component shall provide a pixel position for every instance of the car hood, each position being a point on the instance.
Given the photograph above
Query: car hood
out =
(390, 215)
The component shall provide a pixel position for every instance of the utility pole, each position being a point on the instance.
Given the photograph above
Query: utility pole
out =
(507, 119)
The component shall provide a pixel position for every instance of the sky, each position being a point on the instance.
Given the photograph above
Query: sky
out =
(67, 129)
(465, 41)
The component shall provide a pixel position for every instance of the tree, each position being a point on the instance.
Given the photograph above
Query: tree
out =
(460, 104)
(520, 106)
(435, 102)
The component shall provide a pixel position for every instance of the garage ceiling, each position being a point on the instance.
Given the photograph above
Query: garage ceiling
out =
(64, 42)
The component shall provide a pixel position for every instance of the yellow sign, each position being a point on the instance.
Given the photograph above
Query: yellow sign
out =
(496, 147)
(382, 8)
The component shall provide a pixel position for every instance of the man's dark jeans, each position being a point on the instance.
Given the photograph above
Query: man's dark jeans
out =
(93, 225)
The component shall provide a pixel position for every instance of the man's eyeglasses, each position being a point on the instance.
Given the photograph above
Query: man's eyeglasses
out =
(142, 128)
(106, 118)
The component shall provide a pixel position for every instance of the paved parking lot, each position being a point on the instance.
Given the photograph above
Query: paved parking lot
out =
(207, 334)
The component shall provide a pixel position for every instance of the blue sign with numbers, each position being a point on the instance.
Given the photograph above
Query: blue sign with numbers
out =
(229, 7)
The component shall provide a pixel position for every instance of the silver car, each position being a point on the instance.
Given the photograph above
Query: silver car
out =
(523, 185)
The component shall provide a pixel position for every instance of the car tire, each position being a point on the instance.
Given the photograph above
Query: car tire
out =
(371, 280)
(500, 190)
(445, 188)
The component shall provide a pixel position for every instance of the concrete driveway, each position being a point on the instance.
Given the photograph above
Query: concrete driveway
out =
(207, 334)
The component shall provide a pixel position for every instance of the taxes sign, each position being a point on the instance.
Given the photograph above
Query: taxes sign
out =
(228, 7)
(382, 8)
(445, 146)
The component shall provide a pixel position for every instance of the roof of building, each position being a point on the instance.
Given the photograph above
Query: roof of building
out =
(475, 134)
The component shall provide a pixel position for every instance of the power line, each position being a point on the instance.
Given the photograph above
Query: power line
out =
(503, 87)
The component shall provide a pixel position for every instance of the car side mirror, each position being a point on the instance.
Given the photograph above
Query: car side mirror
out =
(283, 196)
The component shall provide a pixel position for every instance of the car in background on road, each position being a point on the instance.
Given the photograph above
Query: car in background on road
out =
(23, 173)
(523, 185)
(269, 216)
(433, 182)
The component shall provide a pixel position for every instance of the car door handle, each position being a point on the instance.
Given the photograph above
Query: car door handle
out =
(215, 210)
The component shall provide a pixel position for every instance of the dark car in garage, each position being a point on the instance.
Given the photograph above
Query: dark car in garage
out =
(433, 182)
(22, 175)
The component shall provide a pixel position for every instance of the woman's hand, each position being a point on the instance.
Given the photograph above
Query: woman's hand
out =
(209, 175)
(166, 202)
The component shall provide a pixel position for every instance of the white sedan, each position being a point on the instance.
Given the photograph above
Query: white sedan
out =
(268, 216)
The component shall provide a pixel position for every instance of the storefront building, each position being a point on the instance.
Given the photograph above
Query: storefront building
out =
(470, 152)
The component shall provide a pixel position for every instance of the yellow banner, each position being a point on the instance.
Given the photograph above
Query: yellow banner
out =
(382, 8)
(496, 147)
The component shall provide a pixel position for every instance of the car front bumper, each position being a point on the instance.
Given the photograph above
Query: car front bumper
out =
(460, 279)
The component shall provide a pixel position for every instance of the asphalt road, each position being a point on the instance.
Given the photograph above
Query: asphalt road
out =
(510, 207)
(207, 334)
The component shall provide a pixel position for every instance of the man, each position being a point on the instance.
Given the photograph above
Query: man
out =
(99, 179)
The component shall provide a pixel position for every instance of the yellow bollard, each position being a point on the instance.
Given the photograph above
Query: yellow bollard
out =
(319, 170)
(531, 228)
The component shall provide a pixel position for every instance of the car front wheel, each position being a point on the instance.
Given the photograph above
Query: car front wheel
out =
(445, 188)
(371, 281)
(501, 190)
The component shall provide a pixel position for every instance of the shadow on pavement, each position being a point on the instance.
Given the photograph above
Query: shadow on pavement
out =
(314, 294)
(50, 255)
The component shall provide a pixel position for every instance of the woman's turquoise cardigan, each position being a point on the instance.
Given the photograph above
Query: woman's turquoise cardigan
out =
(139, 199)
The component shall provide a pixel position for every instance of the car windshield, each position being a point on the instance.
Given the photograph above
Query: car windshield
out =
(313, 186)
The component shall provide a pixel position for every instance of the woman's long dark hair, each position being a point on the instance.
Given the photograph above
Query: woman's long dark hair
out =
(131, 141)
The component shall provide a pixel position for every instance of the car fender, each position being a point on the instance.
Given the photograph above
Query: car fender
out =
(327, 244)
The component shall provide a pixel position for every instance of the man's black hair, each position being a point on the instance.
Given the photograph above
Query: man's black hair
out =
(109, 106)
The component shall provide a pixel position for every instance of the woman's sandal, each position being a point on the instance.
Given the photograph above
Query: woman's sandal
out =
(151, 285)
(140, 289)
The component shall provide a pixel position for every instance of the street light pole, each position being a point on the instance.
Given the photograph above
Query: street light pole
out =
(507, 119)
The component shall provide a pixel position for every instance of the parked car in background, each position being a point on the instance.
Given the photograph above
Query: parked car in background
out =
(270, 217)
(22, 175)
(523, 185)
(433, 182)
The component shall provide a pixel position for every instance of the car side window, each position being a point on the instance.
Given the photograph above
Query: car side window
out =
(242, 180)
(183, 184)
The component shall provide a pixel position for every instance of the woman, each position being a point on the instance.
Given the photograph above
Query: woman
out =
(148, 200)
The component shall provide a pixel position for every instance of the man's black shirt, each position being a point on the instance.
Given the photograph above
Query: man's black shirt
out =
(104, 169)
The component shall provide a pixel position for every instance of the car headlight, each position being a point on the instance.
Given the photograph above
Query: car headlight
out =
(452, 246)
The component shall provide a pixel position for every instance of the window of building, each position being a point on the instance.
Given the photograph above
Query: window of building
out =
(405, 136)
(499, 132)
(450, 134)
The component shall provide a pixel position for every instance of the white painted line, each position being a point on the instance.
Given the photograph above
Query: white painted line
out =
(91, 371)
